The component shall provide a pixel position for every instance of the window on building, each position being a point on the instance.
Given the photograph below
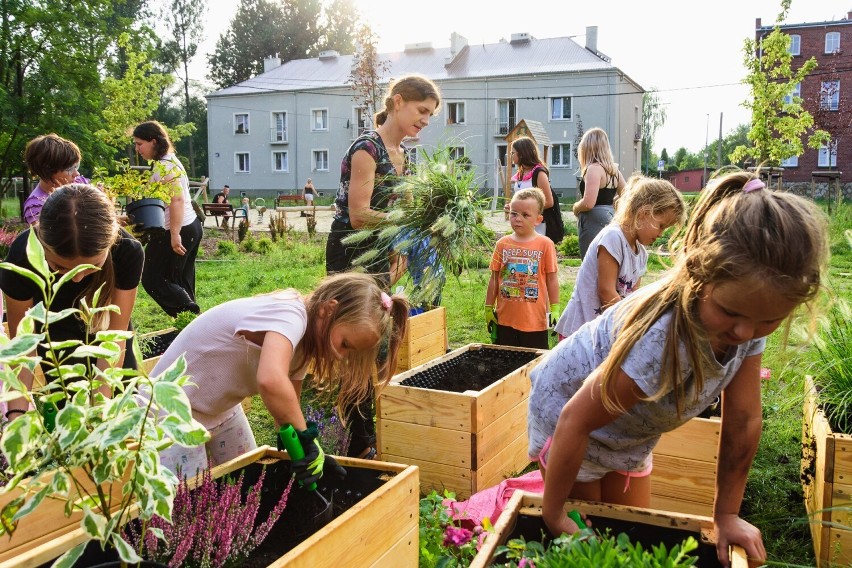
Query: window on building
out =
(560, 108)
(685, 179)
(795, 44)
(279, 126)
(829, 95)
(502, 154)
(320, 160)
(506, 115)
(796, 92)
(279, 162)
(791, 162)
(561, 155)
(241, 163)
(241, 123)
(827, 156)
(361, 120)
(832, 42)
(320, 119)
(455, 113)
(456, 152)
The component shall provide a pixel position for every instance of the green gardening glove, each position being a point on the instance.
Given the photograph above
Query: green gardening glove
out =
(553, 316)
(308, 470)
(491, 322)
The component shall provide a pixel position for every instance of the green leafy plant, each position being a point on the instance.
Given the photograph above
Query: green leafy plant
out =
(183, 319)
(443, 543)
(278, 228)
(831, 366)
(226, 248)
(95, 441)
(589, 549)
(440, 204)
(264, 245)
(569, 246)
(135, 183)
(242, 230)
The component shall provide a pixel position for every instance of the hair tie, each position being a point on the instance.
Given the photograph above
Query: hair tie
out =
(753, 185)
(386, 302)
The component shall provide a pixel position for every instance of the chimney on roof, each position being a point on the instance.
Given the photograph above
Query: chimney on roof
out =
(849, 15)
(271, 63)
(523, 37)
(757, 23)
(457, 44)
(423, 45)
(328, 54)
(592, 39)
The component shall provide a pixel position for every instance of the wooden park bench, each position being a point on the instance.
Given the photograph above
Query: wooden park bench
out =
(225, 211)
(284, 200)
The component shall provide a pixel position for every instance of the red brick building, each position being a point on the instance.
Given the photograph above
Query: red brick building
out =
(826, 92)
(687, 180)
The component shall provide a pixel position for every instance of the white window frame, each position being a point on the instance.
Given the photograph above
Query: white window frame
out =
(832, 42)
(562, 98)
(497, 148)
(503, 127)
(791, 162)
(360, 126)
(570, 150)
(452, 117)
(453, 152)
(412, 154)
(276, 136)
(826, 103)
(314, 112)
(314, 155)
(286, 161)
(796, 92)
(795, 44)
(823, 159)
(238, 163)
(239, 123)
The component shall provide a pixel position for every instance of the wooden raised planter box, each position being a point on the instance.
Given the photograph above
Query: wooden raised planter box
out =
(522, 517)
(380, 530)
(827, 484)
(462, 441)
(425, 338)
(684, 475)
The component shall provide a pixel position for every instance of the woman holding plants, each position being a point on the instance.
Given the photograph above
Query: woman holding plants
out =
(265, 345)
(77, 226)
(169, 275)
(370, 170)
(55, 161)
(603, 397)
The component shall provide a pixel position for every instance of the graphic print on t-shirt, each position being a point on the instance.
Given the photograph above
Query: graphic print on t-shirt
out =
(519, 280)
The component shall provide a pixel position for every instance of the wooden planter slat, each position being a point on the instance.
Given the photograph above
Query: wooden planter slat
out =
(379, 531)
(463, 442)
(425, 338)
(523, 503)
(828, 493)
(684, 475)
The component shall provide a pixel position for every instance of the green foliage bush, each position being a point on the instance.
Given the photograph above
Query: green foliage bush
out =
(264, 245)
(570, 246)
(243, 229)
(226, 248)
(249, 244)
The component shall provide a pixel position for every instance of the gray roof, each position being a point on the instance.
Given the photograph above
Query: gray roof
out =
(537, 56)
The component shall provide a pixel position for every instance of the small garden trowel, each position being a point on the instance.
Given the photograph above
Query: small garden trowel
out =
(290, 442)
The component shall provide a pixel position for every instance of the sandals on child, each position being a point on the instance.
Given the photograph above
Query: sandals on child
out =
(368, 454)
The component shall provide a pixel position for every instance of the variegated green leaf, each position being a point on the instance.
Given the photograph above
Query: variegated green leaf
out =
(20, 345)
(68, 276)
(172, 399)
(70, 426)
(35, 256)
(93, 523)
(70, 558)
(23, 272)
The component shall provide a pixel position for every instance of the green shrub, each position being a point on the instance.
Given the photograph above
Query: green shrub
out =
(183, 319)
(264, 245)
(226, 248)
(243, 229)
(249, 244)
(570, 246)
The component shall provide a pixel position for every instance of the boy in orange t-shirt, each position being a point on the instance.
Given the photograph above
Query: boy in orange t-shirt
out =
(523, 277)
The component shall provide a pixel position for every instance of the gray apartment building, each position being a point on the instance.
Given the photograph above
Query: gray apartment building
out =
(295, 121)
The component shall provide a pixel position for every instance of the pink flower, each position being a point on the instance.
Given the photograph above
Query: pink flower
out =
(457, 536)
(526, 563)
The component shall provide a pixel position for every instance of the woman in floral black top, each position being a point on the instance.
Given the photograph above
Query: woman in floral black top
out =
(370, 169)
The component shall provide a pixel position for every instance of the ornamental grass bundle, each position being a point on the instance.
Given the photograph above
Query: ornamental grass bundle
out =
(435, 219)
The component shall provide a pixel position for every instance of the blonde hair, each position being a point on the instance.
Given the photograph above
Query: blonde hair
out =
(531, 193)
(594, 149)
(360, 304)
(410, 88)
(778, 239)
(656, 196)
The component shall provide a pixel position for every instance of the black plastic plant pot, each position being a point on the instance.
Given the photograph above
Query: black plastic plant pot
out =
(147, 214)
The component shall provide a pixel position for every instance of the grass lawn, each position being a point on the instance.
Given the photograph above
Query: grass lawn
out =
(773, 497)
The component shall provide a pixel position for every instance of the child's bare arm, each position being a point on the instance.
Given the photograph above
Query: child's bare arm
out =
(607, 278)
(274, 384)
(552, 280)
(493, 288)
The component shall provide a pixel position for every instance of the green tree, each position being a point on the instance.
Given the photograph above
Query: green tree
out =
(777, 126)
(368, 71)
(664, 156)
(653, 117)
(341, 26)
(736, 137)
(184, 20)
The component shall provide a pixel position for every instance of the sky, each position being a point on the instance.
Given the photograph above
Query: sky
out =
(695, 65)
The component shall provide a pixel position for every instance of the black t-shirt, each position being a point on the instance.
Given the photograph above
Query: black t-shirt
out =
(127, 259)
(220, 198)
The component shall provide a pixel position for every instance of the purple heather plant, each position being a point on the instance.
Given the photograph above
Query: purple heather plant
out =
(210, 526)
(333, 436)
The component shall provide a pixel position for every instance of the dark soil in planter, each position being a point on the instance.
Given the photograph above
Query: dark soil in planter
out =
(156, 345)
(533, 527)
(304, 515)
(474, 369)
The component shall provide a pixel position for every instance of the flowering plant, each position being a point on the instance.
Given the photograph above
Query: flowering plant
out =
(333, 436)
(6, 239)
(210, 526)
(442, 542)
(135, 183)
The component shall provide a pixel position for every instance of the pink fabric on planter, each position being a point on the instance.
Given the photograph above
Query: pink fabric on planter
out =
(490, 502)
